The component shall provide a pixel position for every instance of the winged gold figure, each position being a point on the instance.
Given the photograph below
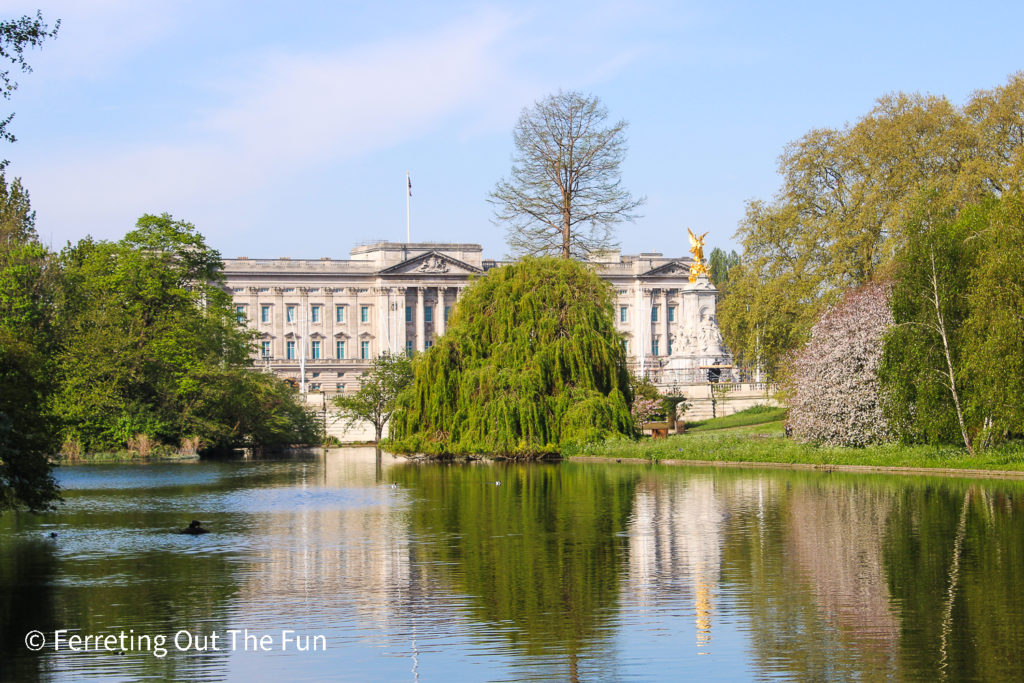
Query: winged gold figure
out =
(699, 267)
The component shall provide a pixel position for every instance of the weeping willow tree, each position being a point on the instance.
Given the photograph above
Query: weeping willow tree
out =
(531, 360)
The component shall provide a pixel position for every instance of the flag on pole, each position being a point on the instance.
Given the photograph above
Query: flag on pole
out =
(408, 180)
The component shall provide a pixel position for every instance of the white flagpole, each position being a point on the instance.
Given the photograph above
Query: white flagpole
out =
(408, 197)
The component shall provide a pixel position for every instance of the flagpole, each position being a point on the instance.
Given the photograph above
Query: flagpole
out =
(408, 197)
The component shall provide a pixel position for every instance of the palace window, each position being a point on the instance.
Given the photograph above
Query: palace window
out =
(408, 349)
(315, 386)
(364, 314)
(623, 314)
(427, 344)
(314, 349)
(625, 345)
(290, 348)
(339, 348)
(289, 314)
(240, 313)
(314, 314)
(654, 347)
(340, 387)
(364, 350)
(265, 349)
(428, 314)
(654, 314)
(339, 314)
(264, 314)
(670, 346)
(447, 312)
(408, 314)
(671, 317)
(316, 374)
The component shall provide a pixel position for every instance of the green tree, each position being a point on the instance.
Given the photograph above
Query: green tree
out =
(376, 398)
(995, 324)
(28, 297)
(565, 194)
(721, 264)
(15, 36)
(530, 360)
(153, 348)
(922, 366)
(847, 195)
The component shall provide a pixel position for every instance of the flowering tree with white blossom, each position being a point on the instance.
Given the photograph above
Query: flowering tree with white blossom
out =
(834, 378)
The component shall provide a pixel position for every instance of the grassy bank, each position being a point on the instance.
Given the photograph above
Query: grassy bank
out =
(757, 437)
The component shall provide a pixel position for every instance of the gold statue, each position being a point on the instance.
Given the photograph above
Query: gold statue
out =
(699, 267)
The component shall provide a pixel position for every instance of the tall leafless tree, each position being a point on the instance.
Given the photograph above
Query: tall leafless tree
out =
(564, 195)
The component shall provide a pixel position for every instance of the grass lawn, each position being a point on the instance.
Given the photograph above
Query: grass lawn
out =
(757, 437)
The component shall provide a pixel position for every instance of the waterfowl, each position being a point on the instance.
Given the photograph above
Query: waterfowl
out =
(195, 528)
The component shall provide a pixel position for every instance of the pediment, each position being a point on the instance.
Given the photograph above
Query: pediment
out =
(431, 263)
(365, 335)
(341, 335)
(670, 269)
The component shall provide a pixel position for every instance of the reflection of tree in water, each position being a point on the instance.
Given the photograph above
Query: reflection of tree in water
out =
(954, 552)
(541, 554)
(27, 570)
(836, 529)
(807, 569)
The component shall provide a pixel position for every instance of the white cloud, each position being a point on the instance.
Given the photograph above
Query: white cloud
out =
(290, 111)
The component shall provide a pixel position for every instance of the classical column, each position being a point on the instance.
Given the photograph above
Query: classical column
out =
(439, 313)
(385, 320)
(352, 297)
(637, 321)
(277, 318)
(420, 327)
(328, 317)
(665, 326)
(647, 329)
(399, 332)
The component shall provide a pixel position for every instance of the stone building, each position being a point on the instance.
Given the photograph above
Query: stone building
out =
(331, 318)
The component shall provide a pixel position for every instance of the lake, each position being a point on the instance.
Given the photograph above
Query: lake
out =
(341, 566)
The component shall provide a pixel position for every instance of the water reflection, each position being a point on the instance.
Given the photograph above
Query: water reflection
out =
(566, 572)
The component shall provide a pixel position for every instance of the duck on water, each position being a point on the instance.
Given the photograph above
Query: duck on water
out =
(194, 529)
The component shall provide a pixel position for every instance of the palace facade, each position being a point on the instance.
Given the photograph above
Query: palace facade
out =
(321, 322)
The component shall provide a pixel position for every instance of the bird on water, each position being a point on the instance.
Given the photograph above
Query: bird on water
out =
(194, 529)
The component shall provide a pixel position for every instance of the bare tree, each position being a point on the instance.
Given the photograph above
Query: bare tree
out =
(565, 194)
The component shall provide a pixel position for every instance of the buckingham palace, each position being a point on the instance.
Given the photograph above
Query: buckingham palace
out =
(321, 322)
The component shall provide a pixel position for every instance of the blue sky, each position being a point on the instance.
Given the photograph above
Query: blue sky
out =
(286, 129)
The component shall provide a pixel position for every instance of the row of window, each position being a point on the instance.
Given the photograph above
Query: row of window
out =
(624, 314)
(428, 314)
(315, 313)
(315, 347)
(655, 347)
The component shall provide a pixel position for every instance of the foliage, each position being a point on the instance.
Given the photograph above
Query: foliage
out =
(531, 360)
(378, 392)
(952, 366)
(835, 394)
(28, 289)
(564, 196)
(721, 265)
(15, 36)
(152, 348)
(846, 196)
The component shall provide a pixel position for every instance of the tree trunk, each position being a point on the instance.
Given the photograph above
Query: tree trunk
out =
(949, 358)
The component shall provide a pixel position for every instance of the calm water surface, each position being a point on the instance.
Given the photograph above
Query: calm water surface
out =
(571, 571)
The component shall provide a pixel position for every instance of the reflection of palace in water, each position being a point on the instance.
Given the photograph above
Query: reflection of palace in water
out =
(675, 545)
(313, 555)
